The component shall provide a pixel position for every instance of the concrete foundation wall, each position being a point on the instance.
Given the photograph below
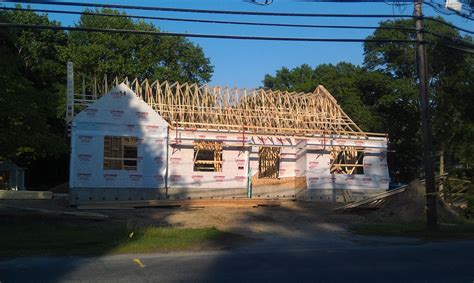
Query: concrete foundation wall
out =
(335, 195)
(87, 195)
(206, 193)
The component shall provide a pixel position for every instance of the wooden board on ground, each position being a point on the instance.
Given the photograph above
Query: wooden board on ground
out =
(236, 203)
(12, 195)
(373, 202)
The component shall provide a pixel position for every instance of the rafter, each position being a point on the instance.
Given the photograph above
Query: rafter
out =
(259, 111)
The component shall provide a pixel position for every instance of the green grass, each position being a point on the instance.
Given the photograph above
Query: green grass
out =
(459, 230)
(18, 239)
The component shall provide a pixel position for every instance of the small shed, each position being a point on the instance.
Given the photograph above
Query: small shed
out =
(12, 176)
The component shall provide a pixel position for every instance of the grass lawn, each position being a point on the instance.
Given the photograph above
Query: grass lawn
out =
(27, 239)
(459, 230)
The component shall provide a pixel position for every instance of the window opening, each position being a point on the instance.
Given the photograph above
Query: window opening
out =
(347, 160)
(207, 156)
(120, 153)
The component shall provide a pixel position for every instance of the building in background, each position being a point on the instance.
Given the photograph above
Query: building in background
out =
(12, 177)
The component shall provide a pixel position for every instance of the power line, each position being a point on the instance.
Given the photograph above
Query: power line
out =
(471, 51)
(451, 38)
(216, 36)
(154, 8)
(449, 25)
(225, 12)
(205, 21)
(438, 7)
(447, 37)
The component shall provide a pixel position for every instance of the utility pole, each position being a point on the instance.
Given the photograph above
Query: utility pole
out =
(431, 194)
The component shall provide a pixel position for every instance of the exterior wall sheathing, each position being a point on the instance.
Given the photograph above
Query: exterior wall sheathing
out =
(165, 160)
(118, 114)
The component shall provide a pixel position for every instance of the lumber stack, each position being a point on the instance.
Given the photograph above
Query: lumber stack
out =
(19, 195)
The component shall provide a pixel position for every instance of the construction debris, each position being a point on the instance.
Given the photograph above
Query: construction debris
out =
(453, 191)
(17, 195)
(373, 202)
(407, 203)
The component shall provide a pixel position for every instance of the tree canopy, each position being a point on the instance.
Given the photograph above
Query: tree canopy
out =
(382, 95)
(33, 75)
(450, 84)
(30, 72)
(142, 56)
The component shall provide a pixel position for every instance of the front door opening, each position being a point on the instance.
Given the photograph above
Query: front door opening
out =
(268, 162)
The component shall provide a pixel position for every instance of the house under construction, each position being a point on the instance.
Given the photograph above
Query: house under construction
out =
(145, 140)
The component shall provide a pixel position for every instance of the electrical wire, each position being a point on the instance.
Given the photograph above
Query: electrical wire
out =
(225, 12)
(154, 8)
(205, 21)
(156, 33)
(448, 24)
(216, 36)
(438, 7)
(454, 40)
(471, 51)
(447, 37)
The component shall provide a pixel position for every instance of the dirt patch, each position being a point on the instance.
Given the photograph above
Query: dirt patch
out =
(410, 206)
(291, 219)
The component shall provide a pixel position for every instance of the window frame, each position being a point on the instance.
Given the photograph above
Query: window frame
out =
(203, 163)
(114, 157)
(347, 160)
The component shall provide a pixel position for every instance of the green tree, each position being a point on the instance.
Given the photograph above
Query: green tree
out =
(450, 86)
(373, 99)
(142, 56)
(341, 80)
(31, 78)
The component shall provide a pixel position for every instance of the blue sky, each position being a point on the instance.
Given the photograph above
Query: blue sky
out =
(245, 63)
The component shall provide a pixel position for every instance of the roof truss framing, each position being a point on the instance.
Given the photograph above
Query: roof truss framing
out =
(258, 111)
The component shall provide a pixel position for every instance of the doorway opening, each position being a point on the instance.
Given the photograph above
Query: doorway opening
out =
(269, 162)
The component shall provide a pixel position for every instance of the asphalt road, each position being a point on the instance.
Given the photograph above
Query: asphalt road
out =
(359, 259)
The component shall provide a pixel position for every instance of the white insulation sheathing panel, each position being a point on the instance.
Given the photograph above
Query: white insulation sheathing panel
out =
(119, 113)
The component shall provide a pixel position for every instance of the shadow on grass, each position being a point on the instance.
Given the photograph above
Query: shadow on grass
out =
(40, 236)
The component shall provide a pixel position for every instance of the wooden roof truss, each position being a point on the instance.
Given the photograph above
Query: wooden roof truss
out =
(258, 111)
